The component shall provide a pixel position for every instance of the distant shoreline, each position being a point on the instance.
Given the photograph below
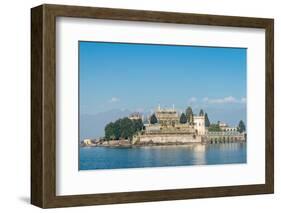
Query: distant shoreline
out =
(151, 144)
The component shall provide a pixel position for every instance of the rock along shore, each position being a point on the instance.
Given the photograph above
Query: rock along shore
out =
(127, 143)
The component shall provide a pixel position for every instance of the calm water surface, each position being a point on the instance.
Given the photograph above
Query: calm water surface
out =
(159, 156)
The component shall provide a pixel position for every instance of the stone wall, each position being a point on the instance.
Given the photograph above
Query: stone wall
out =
(225, 137)
(167, 138)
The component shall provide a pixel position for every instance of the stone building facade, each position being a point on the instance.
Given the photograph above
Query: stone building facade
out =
(169, 130)
(199, 124)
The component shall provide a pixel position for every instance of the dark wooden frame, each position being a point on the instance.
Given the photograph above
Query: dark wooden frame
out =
(43, 105)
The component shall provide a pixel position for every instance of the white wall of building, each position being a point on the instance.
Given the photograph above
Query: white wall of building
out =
(199, 124)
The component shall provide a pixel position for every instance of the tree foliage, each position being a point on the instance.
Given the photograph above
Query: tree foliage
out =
(189, 115)
(110, 131)
(214, 128)
(127, 128)
(207, 121)
(153, 119)
(241, 127)
(122, 129)
(183, 118)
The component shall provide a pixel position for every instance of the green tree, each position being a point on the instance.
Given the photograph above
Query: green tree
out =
(214, 128)
(201, 113)
(183, 118)
(109, 131)
(241, 127)
(122, 128)
(207, 121)
(153, 119)
(127, 128)
(189, 115)
(138, 125)
(117, 129)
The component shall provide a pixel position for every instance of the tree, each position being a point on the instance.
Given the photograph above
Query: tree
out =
(153, 119)
(189, 115)
(241, 127)
(183, 118)
(117, 129)
(109, 131)
(214, 128)
(122, 128)
(138, 125)
(207, 121)
(201, 113)
(127, 128)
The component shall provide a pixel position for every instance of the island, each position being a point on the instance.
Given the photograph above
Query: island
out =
(166, 126)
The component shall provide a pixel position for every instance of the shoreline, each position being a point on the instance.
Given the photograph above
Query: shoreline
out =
(128, 145)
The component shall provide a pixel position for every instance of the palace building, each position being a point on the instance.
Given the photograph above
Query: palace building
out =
(167, 117)
(169, 121)
(168, 128)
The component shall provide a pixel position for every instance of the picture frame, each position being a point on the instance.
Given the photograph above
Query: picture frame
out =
(43, 105)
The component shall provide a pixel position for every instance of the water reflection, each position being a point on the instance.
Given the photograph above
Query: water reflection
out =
(158, 156)
(199, 154)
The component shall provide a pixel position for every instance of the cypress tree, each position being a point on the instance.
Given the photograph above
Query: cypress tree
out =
(183, 118)
(241, 127)
(207, 121)
(153, 119)
(189, 115)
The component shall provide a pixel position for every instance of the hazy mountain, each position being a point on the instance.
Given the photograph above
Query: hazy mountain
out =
(92, 126)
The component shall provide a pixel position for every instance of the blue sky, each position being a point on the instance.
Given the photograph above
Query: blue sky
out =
(138, 77)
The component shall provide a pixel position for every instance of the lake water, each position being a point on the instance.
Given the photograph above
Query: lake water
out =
(159, 156)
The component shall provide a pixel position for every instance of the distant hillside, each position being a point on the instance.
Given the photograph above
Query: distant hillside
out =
(92, 126)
